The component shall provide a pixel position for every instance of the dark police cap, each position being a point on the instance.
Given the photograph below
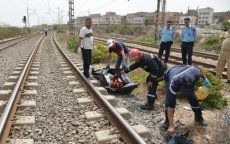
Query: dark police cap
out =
(187, 18)
(169, 22)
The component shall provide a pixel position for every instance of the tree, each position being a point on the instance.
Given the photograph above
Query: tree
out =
(225, 26)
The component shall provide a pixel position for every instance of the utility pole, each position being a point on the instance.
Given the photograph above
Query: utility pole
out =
(28, 20)
(71, 17)
(157, 20)
(59, 17)
(163, 13)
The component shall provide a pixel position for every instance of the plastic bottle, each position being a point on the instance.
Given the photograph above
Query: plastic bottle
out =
(202, 92)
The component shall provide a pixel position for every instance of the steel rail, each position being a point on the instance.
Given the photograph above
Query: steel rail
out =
(25, 38)
(127, 132)
(10, 109)
(173, 49)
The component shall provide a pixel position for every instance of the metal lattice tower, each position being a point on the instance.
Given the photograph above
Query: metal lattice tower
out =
(71, 17)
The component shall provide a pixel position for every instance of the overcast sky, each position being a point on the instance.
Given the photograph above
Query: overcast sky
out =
(45, 11)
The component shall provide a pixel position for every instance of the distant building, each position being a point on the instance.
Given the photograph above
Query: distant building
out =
(219, 17)
(205, 16)
(80, 21)
(139, 18)
(192, 20)
(96, 19)
(111, 18)
(173, 16)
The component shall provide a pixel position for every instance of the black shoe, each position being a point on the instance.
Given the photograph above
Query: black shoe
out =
(148, 106)
(200, 120)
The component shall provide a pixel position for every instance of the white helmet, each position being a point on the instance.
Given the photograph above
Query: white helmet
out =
(110, 43)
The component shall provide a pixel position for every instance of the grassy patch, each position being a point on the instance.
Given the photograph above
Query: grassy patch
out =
(211, 43)
(73, 43)
(100, 54)
(60, 30)
(146, 40)
(9, 32)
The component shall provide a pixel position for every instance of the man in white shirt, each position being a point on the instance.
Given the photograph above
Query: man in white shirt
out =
(86, 44)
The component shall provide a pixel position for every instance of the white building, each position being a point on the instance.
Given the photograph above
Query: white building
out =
(192, 20)
(205, 16)
(111, 18)
(96, 19)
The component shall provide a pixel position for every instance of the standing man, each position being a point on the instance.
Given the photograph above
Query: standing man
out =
(121, 51)
(188, 37)
(224, 56)
(182, 79)
(167, 36)
(156, 69)
(86, 44)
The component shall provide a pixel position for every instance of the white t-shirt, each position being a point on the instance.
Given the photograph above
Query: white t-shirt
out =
(87, 35)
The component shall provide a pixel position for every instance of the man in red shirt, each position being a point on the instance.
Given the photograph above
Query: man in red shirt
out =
(121, 51)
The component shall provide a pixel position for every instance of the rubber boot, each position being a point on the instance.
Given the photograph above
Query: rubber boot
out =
(200, 120)
(165, 125)
(148, 106)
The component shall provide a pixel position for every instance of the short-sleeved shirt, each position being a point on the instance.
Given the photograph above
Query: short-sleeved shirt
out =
(188, 34)
(87, 38)
(167, 34)
(118, 48)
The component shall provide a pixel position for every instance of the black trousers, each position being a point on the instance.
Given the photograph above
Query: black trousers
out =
(165, 46)
(86, 56)
(186, 50)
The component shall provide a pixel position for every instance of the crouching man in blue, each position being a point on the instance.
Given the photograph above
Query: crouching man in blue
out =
(156, 69)
(182, 79)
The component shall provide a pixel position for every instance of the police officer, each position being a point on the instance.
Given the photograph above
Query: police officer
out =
(121, 51)
(188, 37)
(85, 43)
(224, 56)
(156, 69)
(182, 79)
(167, 35)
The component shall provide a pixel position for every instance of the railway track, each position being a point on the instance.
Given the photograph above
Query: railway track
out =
(92, 100)
(175, 57)
(11, 42)
(173, 49)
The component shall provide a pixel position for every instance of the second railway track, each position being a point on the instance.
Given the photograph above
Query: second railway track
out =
(175, 57)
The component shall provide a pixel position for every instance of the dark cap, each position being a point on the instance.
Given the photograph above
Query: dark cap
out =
(187, 18)
(169, 22)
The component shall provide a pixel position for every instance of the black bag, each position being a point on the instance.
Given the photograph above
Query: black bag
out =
(105, 75)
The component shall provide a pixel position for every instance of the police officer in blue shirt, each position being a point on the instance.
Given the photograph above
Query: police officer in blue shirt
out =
(167, 35)
(188, 37)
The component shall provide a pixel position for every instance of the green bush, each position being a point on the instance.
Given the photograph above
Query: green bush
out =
(211, 43)
(9, 32)
(60, 30)
(100, 54)
(73, 43)
(225, 25)
(215, 99)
